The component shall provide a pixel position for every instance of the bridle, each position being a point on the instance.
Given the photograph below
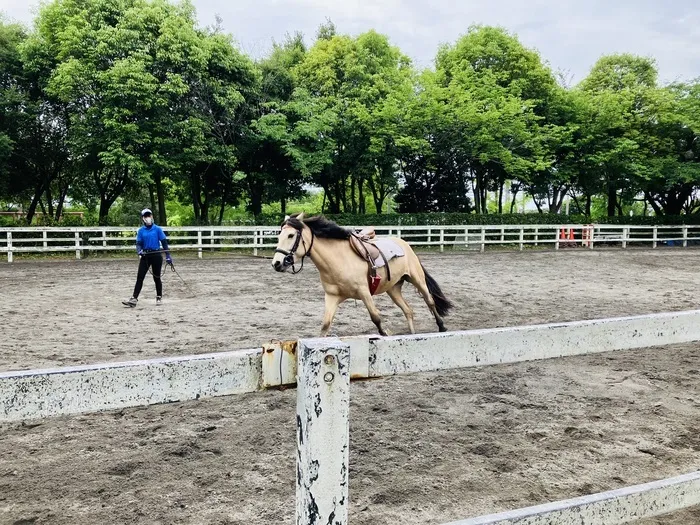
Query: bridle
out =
(289, 255)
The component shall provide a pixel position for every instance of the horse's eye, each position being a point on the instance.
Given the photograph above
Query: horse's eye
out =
(290, 235)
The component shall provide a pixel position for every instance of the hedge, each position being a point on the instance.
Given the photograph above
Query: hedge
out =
(421, 219)
(437, 219)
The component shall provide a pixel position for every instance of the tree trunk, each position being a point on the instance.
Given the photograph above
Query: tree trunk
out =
(515, 198)
(553, 208)
(361, 196)
(61, 201)
(537, 204)
(49, 200)
(196, 197)
(204, 208)
(612, 200)
(34, 203)
(105, 205)
(657, 209)
(160, 191)
(589, 202)
(221, 212)
(255, 192)
(353, 201)
(476, 190)
(500, 196)
(339, 198)
(283, 205)
(152, 196)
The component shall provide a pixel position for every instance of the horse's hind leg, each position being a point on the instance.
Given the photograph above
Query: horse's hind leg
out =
(373, 312)
(400, 301)
(422, 288)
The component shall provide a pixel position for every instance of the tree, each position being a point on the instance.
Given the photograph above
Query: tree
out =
(495, 94)
(359, 81)
(32, 131)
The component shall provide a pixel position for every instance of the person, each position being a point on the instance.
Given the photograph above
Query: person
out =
(149, 239)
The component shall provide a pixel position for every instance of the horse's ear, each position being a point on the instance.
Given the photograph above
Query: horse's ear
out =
(301, 216)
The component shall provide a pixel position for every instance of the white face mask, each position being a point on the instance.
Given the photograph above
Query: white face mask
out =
(148, 221)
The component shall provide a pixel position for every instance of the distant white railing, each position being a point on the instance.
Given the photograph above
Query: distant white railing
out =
(256, 238)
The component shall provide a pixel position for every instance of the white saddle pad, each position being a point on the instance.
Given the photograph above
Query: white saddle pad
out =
(389, 248)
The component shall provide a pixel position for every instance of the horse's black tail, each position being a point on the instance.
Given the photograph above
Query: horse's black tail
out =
(442, 303)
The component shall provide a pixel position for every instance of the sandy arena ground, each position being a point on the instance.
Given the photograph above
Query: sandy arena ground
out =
(425, 449)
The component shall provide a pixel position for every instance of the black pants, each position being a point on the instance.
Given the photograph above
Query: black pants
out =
(155, 261)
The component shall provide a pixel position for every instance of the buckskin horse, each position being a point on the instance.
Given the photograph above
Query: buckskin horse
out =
(350, 267)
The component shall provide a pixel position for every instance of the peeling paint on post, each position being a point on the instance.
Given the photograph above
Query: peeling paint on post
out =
(624, 505)
(323, 404)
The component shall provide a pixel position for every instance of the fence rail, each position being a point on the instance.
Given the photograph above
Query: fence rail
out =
(322, 369)
(83, 241)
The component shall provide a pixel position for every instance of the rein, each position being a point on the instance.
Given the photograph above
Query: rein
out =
(289, 255)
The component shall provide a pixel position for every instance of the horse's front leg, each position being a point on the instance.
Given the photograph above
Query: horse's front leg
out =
(332, 302)
(373, 312)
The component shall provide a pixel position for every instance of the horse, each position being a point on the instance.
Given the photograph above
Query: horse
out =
(344, 274)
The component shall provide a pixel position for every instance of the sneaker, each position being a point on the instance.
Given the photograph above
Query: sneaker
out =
(159, 301)
(131, 302)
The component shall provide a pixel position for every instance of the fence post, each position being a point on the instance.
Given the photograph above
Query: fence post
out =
(255, 241)
(323, 406)
(77, 245)
(685, 236)
(10, 257)
(522, 237)
(199, 243)
(211, 240)
(483, 239)
(45, 236)
(466, 237)
(398, 233)
(557, 234)
(655, 237)
(104, 238)
(430, 236)
(442, 239)
(625, 236)
(537, 235)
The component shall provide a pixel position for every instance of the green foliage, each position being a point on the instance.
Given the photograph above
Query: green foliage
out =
(112, 106)
(443, 219)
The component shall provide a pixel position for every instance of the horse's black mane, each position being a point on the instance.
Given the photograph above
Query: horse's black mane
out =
(320, 226)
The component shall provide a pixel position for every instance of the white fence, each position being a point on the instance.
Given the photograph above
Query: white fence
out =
(322, 369)
(82, 241)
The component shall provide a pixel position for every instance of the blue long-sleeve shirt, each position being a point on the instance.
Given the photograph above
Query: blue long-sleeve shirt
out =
(151, 238)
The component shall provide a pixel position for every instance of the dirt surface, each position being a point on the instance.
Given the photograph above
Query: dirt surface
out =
(425, 448)
(70, 312)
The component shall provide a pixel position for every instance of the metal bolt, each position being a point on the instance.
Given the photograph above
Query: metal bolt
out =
(328, 377)
(328, 360)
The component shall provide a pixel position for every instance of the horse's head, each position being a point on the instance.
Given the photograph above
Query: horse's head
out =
(293, 243)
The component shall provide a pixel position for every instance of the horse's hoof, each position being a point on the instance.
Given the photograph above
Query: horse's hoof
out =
(443, 329)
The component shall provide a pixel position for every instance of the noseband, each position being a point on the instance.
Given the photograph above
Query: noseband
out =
(289, 255)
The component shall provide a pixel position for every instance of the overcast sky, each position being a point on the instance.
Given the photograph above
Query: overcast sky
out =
(570, 35)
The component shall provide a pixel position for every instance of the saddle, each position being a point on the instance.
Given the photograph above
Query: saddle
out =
(361, 242)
